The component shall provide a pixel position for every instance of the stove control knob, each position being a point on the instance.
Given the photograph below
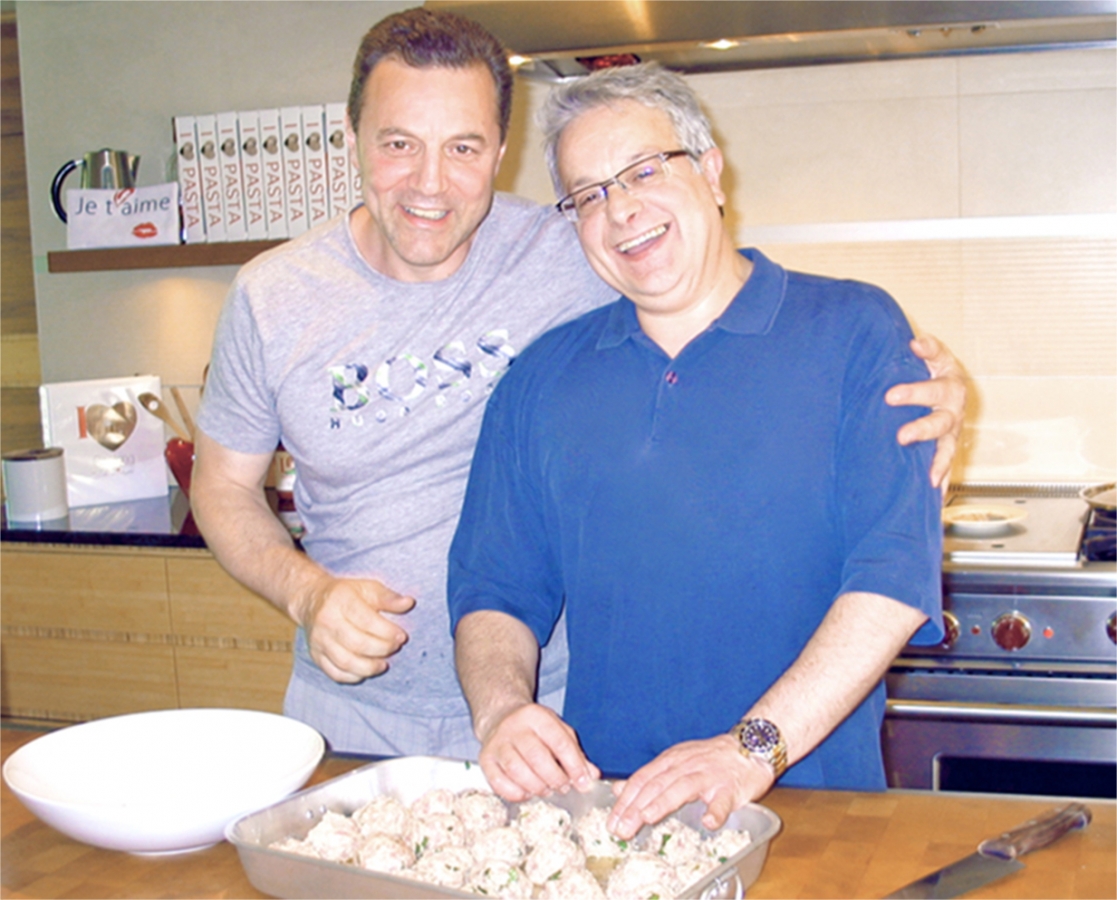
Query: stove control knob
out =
(951, 629)
(1011, 631)
(1111, 627)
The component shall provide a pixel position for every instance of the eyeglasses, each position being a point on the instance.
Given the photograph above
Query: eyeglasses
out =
(584, 202)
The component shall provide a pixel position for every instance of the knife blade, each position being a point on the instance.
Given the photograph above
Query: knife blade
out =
(997, 857)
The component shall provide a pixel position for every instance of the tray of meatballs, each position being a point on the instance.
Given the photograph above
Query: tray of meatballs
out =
(422, 827)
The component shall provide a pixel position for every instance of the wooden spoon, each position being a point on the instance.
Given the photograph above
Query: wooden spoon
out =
(183, 411)
(155, 406)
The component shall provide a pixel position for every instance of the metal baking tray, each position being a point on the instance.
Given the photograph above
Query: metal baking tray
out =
(288, 875)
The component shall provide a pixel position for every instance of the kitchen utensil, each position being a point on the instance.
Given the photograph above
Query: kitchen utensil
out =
(999, 856)
(282, 874)
(155, 406)
(165, 781)
(103, 168)
(183, 410)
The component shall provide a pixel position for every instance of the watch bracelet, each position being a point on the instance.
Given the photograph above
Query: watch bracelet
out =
(777, 759)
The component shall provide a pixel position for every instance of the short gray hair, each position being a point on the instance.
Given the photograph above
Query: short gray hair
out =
(647, 83)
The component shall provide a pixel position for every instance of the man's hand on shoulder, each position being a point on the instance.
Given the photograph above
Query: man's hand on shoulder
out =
(945, 394)
(712, 770)
(531, 752)
(350, 639)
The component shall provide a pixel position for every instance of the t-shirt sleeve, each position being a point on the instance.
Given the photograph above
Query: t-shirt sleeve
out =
(237, 409)
(891, 515)
(500, 558)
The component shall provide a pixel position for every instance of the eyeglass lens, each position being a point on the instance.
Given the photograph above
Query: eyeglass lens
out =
(640, 174)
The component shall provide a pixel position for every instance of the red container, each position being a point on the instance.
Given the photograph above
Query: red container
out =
(180, 458)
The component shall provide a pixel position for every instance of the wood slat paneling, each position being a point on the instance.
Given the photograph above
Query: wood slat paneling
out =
(207, 602)
(20, 427)
(92, 631)
(68, 680)
(125, 595)
(19, 406)
(19, 361)
(241, 679)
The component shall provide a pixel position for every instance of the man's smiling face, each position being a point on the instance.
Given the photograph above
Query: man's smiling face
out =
(428, 149)
(659, 245)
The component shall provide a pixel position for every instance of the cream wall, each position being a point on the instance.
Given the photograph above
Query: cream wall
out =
(981, 192)
(881, 171)
(112, 73)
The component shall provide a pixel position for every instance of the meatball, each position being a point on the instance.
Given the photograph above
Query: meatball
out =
(383, 815)
(480, 810)
(640, 876)
(446, 867)
(539, 820)
(384, 853)
(499, 878)
(675, 842)
(550, 856)
(572, 884)
(334, 837)
(504, 843)
(434, 832)
(436, 801)
(595, 837)
(726, 843)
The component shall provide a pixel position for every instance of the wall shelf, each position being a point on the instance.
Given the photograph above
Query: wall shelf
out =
(172, 256)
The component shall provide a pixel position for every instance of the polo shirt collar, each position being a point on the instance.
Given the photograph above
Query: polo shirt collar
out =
(753, 310)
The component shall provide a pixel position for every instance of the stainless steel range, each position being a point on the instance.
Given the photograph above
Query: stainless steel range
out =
(1021, 697)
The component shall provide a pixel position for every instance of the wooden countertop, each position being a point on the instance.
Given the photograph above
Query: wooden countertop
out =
(833, 844)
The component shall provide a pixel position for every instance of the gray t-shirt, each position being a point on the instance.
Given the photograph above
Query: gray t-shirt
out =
(377, 388)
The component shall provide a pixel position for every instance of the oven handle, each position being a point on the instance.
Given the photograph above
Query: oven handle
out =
(989, 712)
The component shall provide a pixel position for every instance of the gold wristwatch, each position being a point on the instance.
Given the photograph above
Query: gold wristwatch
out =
(761, 738)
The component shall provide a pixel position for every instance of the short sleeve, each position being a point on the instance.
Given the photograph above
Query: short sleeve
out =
(238, 410)
(501, 558)
(891, 516)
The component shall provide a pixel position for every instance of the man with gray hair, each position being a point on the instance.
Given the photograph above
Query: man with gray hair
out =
(704, 475)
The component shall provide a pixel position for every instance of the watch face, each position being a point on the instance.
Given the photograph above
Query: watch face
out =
(759, 736)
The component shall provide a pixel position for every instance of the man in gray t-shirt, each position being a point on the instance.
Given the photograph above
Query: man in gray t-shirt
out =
(369, 346)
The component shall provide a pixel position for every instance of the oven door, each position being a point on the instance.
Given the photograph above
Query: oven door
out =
(1042, 734)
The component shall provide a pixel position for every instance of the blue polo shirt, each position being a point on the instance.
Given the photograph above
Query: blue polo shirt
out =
(699, 515)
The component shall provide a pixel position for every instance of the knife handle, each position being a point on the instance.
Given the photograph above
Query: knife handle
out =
(1036, 833)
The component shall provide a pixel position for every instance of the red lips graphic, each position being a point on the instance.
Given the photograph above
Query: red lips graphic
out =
(145, 230)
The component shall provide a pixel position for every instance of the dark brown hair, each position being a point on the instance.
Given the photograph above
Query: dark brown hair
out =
(424, 38)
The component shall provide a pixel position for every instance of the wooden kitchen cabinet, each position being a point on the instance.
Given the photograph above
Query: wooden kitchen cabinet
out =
(89, 632)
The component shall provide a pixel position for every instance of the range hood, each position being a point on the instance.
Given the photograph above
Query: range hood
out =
(560, 38)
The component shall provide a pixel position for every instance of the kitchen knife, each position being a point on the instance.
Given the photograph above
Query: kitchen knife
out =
(999, 856)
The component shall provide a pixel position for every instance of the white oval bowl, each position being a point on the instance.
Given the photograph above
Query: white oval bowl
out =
(167, 781)
(981, 519)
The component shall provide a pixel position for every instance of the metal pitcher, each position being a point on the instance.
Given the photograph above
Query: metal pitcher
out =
(104, 168)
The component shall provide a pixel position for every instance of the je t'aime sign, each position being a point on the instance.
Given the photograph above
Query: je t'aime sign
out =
(128, 217)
